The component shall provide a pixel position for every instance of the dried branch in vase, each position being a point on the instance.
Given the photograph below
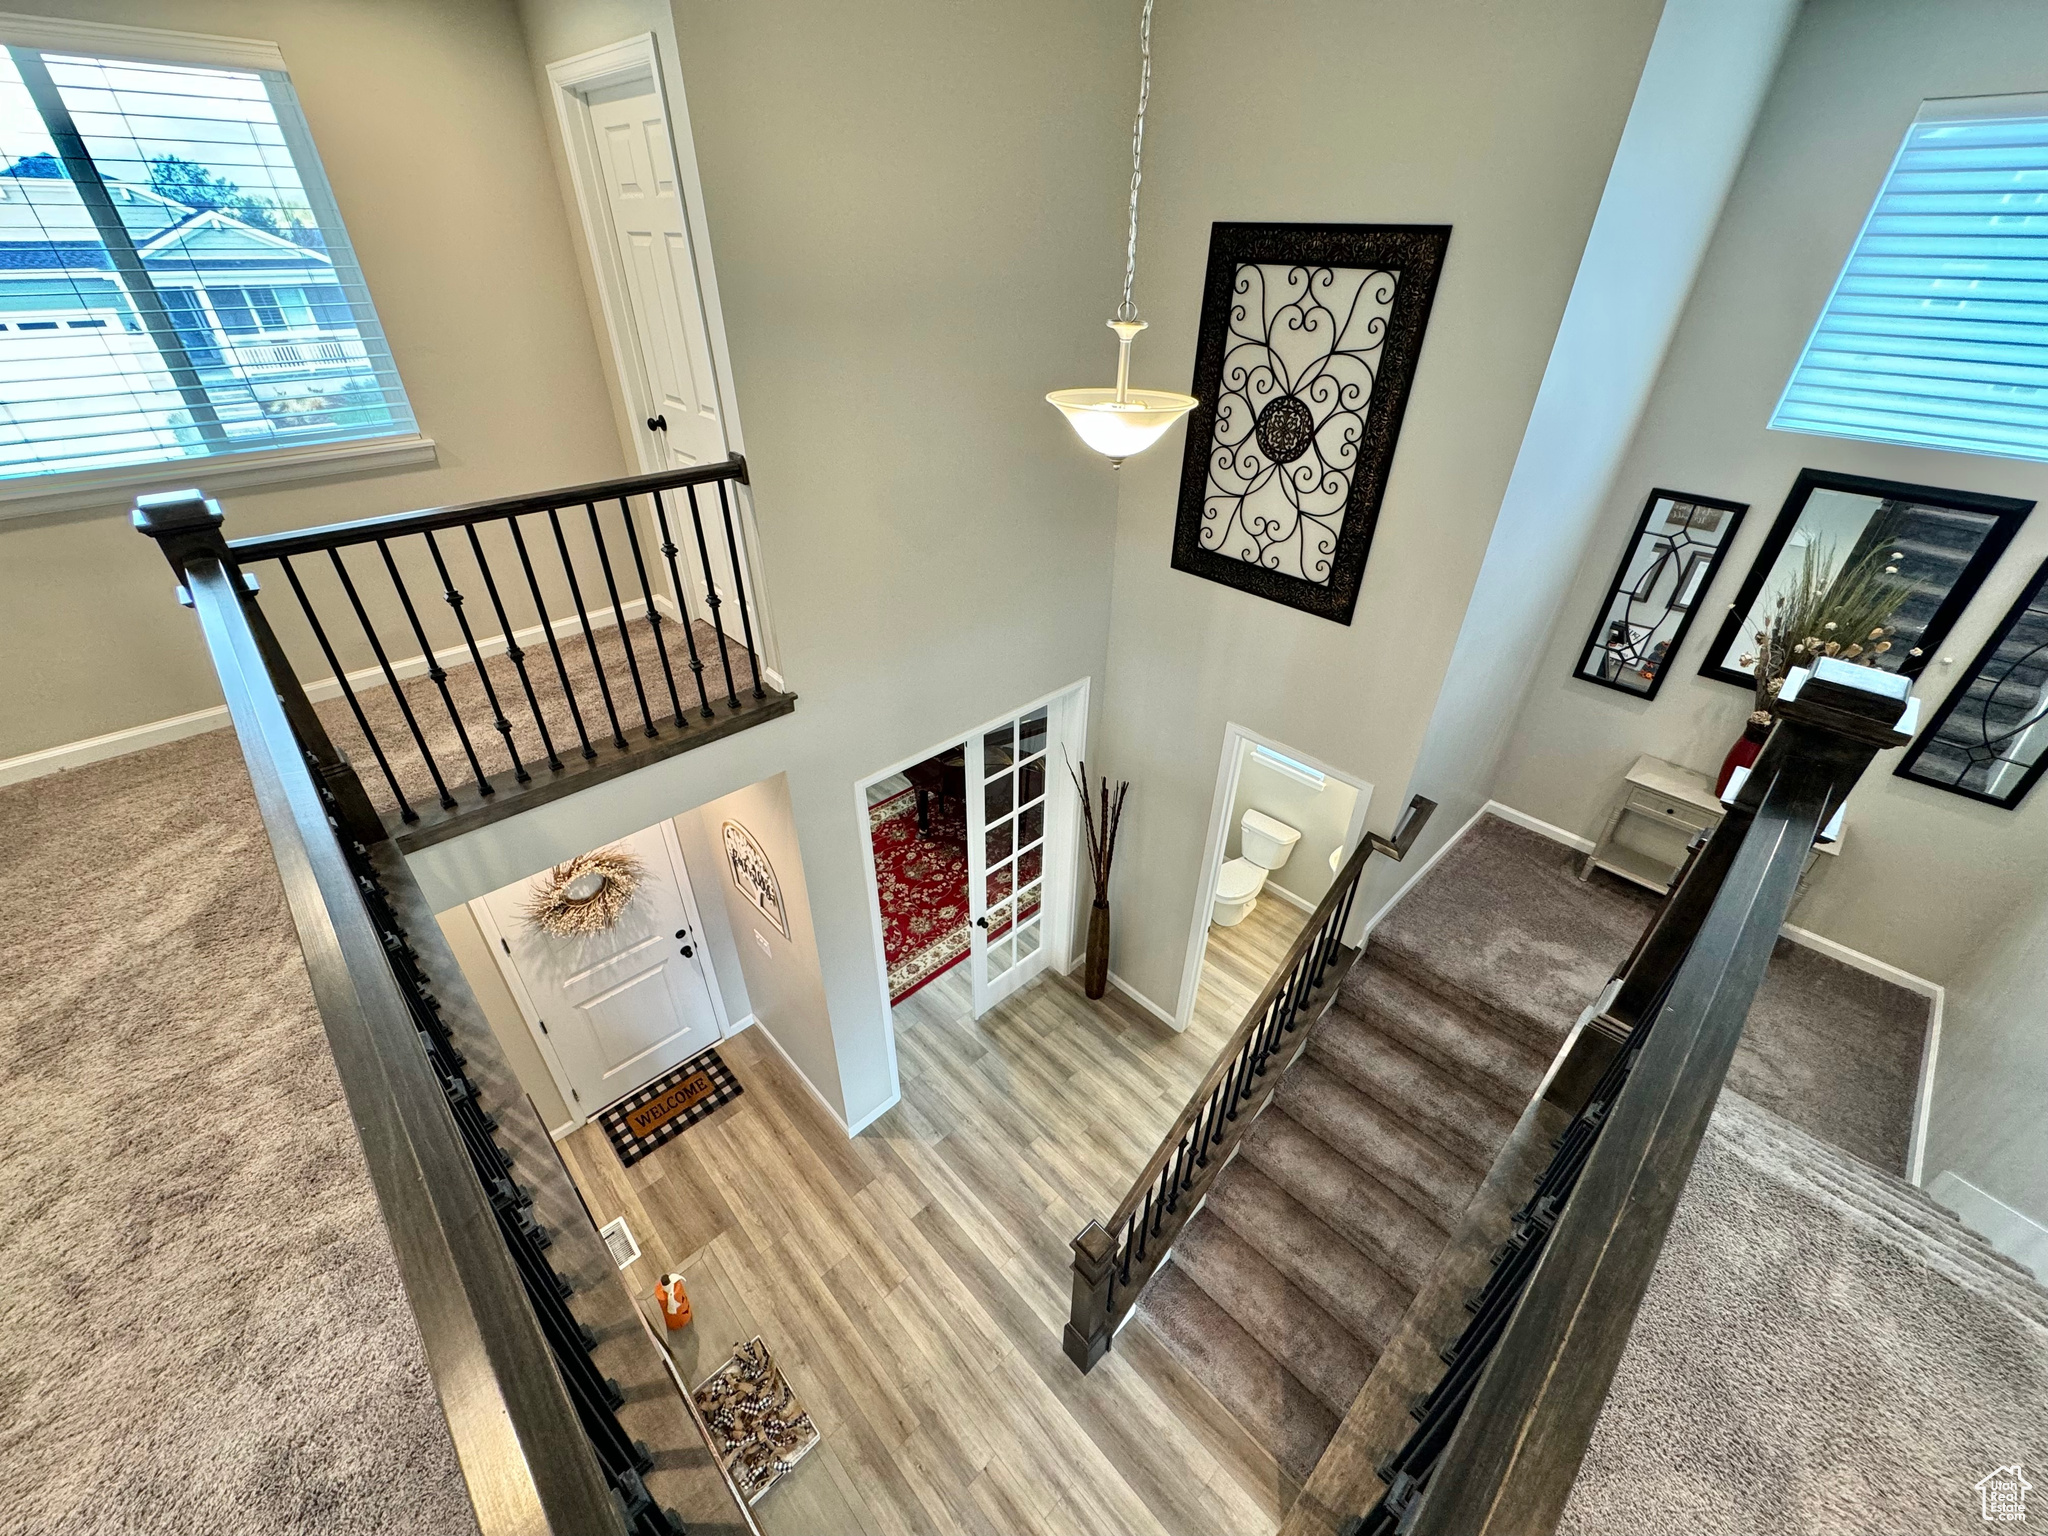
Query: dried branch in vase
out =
(1101, 826)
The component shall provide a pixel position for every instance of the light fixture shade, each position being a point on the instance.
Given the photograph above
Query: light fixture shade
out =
(1116, 428)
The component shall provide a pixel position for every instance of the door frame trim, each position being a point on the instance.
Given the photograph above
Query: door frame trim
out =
(1067, 716)
(1236, 738)
(494, 940)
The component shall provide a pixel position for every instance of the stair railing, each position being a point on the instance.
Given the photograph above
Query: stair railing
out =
(531, 1417)
(579, 576)
(1499, 1439)
(1114, 1260)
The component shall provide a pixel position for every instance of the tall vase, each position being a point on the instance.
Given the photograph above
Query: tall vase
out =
(1096, 974)
(1743, 754)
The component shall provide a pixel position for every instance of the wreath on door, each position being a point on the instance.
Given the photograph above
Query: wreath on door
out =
(586, 895)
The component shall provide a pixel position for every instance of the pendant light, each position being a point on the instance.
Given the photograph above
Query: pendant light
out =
(1122, 421)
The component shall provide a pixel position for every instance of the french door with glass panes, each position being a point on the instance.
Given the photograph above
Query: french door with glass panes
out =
(1006, 784)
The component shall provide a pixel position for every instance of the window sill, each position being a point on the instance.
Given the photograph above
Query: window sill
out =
(102, 489)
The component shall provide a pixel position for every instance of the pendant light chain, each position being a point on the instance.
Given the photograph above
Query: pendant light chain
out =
(1129, 310)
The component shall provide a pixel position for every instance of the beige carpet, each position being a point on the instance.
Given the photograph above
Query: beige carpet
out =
(201, 1324)
(430, 713)
(1822, 1350)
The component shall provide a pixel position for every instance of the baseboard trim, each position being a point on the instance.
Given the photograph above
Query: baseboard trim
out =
(566, 1129)
(1537, 825)
(2012, 1232)
(1288, 897)
(1143, 1001)
(97, 749)
(875, 1114)
(137, 738)
(822, 1102)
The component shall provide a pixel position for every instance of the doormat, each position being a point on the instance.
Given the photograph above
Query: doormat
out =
(923, 887)
(648, 1117)
(759, 1430)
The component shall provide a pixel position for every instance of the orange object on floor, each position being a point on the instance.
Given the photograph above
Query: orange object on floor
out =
(674, 1301)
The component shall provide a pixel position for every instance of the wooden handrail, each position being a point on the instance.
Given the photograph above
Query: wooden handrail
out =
(301, 541)
(1112, 1265)
(1509, 1464)
(1413, 819)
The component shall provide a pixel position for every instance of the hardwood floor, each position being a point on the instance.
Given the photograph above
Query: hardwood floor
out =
(913, 1282)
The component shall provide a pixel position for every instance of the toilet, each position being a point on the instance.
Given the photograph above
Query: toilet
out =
(1266, 844)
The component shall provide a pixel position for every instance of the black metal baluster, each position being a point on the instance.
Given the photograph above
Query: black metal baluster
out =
(739, 587)
(547, 628)
(1145, 1223)
(668, 550)
(604, 689)
(604, 561)
(1125, 1244)
(653, 613)
(391, 678)
(405, 810)
(453, 598)
(732, 695)
(512, 649)
(435, 670)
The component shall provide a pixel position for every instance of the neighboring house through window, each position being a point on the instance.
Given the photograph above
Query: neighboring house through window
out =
(1936, 334)
(175, 281)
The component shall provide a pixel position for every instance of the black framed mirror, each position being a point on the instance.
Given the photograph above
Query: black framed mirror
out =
(1989, 739)
(1904, 559)
(1665, 571)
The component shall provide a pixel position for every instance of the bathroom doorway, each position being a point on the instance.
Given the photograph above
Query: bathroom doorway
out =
(1281, 827)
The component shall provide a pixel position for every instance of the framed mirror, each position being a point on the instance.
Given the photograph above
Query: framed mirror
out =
(1989, 739)
(1666, 569)
(1866, 555)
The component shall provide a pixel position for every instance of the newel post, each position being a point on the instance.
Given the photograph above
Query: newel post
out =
(186, 526)
(1087, 1336)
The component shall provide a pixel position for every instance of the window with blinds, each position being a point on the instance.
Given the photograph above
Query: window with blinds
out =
(1936, 334)
(175, 281)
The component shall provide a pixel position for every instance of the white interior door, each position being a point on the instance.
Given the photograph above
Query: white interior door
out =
(615, 1010)
(1006, 854)
(636, 166)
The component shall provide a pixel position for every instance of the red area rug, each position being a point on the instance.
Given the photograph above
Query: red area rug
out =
(923, 886)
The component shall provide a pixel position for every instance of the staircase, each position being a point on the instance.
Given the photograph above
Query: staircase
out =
(1283, 1290)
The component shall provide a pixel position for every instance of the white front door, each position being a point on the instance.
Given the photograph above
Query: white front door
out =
(635, 163)
(615, 1010)
(1006, 847)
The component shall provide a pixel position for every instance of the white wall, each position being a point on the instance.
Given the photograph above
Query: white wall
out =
(1500, 121)
(1695, 106)
(501, 1010)
(1321, 816)
(1924, 876)
(783, 982)
(431, 135)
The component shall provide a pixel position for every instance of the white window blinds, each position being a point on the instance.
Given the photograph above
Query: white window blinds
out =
(175, 281)
(1936, 334)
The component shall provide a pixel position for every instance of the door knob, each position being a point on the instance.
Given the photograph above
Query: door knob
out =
(657, 423)
(687, 952)
(981, 923)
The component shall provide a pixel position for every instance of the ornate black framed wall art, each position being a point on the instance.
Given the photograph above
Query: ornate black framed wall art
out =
(1934, 547)
(1308, 344)
(1665, 571)
(1989, 739)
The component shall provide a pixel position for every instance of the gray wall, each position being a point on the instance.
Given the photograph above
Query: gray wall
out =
(1923, 875)
(913, 210)
(1321, 816)
(501, 1010)
(431, 134)
(1991, 1077)
(1499, 120)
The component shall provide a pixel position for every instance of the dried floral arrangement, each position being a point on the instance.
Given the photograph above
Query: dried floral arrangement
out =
(555, 907)
(1822, 613)
(760, 1429)
(1101, 829)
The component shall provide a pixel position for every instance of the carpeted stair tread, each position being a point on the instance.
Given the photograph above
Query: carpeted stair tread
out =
(1317, 1350)
(1260, 1393)
(1374, 1219)
(1370, 1135)
(1465, 1124)
(1503, 924)
(1506, 1069)
(1356, 1292)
